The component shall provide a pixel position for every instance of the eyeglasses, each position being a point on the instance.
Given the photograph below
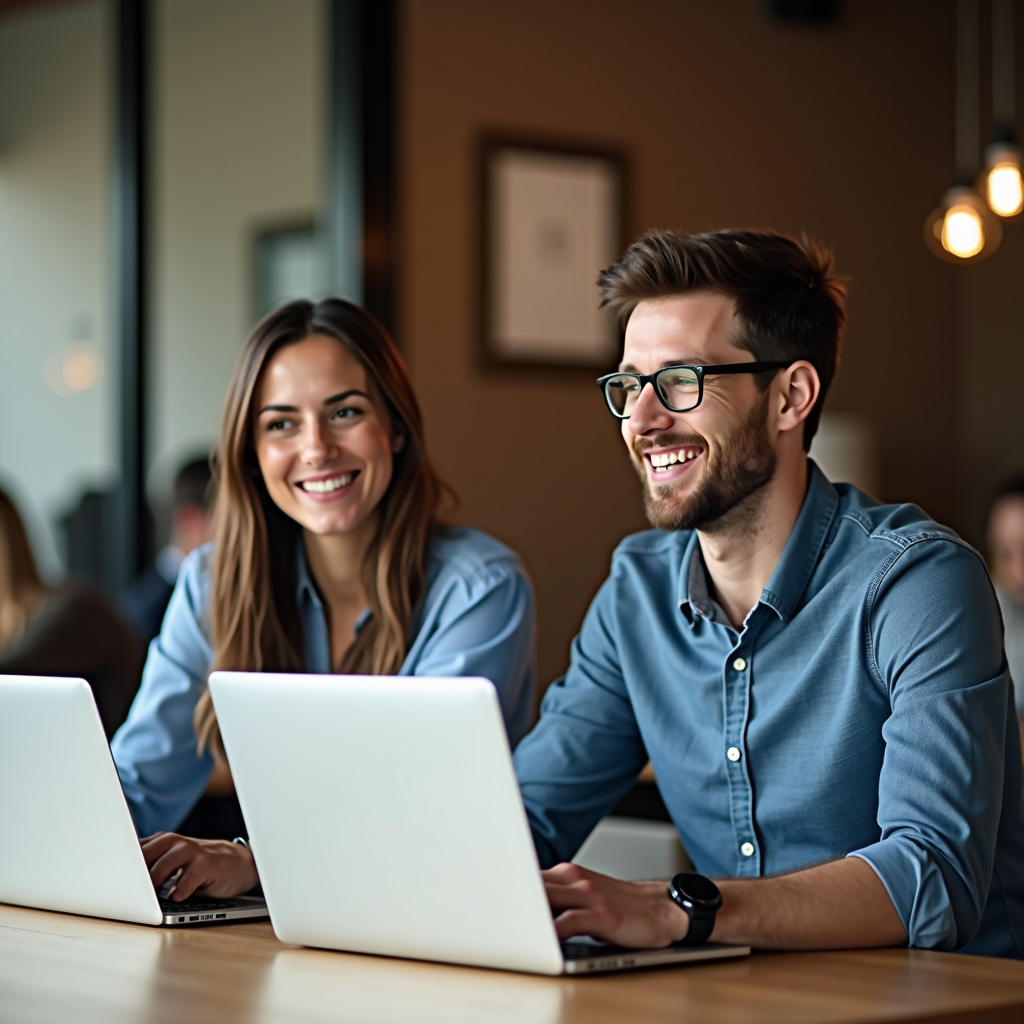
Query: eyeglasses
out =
(679, 388)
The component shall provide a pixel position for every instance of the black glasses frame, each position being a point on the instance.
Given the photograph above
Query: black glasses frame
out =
(700, 372)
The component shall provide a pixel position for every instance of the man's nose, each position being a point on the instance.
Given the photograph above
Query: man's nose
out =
(649, 415)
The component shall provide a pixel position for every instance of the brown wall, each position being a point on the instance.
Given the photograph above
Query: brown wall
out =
(728, 120)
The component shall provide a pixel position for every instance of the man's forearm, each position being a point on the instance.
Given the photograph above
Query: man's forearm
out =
(842, 904)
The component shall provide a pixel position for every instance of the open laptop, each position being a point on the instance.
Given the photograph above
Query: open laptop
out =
(67, 841)
(385, 817)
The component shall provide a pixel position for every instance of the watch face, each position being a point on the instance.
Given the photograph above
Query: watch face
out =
(697, 888)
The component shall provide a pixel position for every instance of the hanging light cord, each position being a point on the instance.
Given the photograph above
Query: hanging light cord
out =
(968, 93)
(1003, 85)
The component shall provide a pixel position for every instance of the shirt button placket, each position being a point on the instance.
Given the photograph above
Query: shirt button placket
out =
(737, 696)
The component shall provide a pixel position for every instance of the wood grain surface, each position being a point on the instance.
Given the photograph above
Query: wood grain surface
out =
(56, 967)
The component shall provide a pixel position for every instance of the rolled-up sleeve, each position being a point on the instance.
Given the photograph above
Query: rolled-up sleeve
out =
(161, 772)
(935, 645)
(484, 626)
(587, 750)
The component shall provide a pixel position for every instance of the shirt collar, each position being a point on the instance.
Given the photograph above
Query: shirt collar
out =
(305, 589)
(794, 568)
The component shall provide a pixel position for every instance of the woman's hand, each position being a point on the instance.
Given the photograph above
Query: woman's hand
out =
(209, 867)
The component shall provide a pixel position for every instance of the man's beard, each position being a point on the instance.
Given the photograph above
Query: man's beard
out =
(727, 497)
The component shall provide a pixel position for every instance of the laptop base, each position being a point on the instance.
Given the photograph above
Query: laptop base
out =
(589, 957)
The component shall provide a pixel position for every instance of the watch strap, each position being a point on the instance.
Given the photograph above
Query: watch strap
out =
(699, 931)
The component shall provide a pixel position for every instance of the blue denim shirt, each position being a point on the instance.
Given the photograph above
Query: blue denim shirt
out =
(864, 709)
(477, 619)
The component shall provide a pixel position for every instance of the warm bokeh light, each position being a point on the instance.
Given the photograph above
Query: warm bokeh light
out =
(1004, 189)
(963, 234)
(78, 368)
(962, 229)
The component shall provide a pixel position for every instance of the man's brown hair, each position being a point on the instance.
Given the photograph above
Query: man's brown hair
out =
(788, 302)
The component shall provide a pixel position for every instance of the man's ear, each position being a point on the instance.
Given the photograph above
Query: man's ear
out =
(798, 389)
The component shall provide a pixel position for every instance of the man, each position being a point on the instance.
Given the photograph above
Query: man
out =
(143, 604)
(1006, 555)
(817, 679)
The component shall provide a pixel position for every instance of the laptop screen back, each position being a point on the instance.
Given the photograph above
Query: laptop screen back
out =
(385, 817)
(66, 838)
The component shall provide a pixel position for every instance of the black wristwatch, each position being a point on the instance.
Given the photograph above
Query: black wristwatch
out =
(701, 900)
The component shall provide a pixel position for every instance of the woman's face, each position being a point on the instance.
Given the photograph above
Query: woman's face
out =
(323, 438)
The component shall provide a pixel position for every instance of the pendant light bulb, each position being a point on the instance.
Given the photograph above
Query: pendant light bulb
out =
(1002, 184)
(962, 230)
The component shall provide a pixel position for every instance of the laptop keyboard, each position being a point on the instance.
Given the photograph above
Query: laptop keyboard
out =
(584, 950)
(187, 906)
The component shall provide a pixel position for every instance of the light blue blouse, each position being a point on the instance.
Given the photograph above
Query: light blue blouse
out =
(477, 619)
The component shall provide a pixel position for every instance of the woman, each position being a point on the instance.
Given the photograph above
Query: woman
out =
(328, 557)
(61, 631)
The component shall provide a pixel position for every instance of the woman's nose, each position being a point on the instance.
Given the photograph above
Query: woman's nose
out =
(316, 445)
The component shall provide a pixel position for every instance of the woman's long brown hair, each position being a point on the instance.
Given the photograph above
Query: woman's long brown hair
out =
(254, 619)
(20, 585)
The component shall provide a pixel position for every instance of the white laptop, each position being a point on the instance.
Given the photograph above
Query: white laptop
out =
(385, 817)
(67, 841)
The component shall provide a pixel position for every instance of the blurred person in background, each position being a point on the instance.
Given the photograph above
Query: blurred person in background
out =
(66, 630)
(143, 604)
(1006, 557)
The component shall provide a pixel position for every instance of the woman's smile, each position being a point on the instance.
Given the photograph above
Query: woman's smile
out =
(329, 488)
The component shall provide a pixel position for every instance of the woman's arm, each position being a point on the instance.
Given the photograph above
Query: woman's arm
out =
(161, 771)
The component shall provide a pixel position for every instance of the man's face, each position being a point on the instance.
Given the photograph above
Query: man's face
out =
(1006, 542)
(702, 469)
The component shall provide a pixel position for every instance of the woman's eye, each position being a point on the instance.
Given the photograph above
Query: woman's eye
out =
(280, 425)
(347, 413)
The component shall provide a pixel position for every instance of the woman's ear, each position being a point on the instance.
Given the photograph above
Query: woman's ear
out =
(398, 442)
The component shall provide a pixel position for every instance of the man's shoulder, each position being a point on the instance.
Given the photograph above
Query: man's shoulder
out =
(899, 525)
(885, 549)
(865, 525)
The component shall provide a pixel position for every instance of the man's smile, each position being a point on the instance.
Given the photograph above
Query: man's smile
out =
(669, 463)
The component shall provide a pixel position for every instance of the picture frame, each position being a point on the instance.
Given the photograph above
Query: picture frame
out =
(552, 216)
(288, 260)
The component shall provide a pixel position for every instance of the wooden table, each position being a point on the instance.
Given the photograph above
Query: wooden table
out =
(55, 967)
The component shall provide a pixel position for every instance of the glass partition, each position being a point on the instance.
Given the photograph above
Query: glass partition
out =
(57, 369)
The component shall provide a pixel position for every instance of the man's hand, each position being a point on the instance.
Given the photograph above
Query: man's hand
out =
(209, 867)
(637, 914)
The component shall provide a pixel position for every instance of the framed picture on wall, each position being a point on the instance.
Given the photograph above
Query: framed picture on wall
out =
(552, 218)
(289, 262)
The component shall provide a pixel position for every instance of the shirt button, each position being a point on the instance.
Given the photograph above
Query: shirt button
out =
(740, 664)
(747, 849)
(733, 753)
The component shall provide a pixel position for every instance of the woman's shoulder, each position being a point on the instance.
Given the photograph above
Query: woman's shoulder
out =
(196, 568)
(192, 587)
(468, 554)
